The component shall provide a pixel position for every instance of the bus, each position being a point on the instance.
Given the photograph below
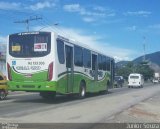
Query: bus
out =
(51, 64)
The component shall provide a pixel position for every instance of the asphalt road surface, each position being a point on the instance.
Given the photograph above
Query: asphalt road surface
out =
(30, 107)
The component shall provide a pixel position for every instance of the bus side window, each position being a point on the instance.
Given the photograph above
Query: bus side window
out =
(108, 63)
(60, 51)
(100, 62)
(86, 58)
(78, 56)
(104, 63)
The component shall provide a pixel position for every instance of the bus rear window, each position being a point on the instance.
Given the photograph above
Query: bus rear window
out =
(134, 77)
(29, 45)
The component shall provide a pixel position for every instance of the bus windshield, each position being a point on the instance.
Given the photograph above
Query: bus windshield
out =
(30, 45)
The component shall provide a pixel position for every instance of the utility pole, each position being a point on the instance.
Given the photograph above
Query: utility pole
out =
(26, 21)
(144, 49)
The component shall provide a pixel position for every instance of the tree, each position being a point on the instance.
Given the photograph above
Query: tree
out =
(142, 68)
(145, 70)
(124, 71)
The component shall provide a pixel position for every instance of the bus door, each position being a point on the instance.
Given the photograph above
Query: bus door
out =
(69, 68)
(95, 67)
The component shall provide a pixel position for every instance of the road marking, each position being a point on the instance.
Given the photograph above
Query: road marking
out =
(21, 94)
(13, 95)
(7, 101)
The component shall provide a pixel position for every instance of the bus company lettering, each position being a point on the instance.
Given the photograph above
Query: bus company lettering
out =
(92, 73)
(28, 67)
(31, 65)
(22, 67)
(28, 33)
(100, 73)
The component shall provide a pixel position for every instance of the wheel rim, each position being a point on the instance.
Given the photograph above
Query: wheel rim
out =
(2, 95)
(82, 92)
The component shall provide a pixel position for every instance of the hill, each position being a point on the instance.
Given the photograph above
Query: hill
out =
(153, 61)
(121, 63)
(153, 58)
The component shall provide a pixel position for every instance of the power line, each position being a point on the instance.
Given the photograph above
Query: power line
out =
(55, 27)
(26, 21)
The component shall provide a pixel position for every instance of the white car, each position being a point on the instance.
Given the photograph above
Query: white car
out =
(135, 80)
(155, 80)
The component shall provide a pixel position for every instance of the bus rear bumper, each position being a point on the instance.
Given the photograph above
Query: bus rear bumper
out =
(32, 86)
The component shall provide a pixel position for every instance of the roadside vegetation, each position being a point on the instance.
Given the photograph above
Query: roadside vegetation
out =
(142, 68)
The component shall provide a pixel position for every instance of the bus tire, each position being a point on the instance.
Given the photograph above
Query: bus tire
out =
(108, 84)
(82, 90)
(48, 95)
(2, 94)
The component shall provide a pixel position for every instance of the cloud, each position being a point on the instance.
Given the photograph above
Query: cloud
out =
(132, 28)
(3, 39)
(73, 8)
(41, 5)
(20, 6)
(108, 12)
(82, 11)
(155, 26)
(138, 13)
(3, 44)
(99, 8)
(3, 48)
(10, 5)
(88, 19)
(89, 15)
(92, 41)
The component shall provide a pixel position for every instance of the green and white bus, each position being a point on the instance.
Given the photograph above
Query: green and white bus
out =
(51, 64)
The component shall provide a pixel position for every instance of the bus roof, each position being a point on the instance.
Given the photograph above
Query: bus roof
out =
(135, 74)
(72, 41)
(75, 42)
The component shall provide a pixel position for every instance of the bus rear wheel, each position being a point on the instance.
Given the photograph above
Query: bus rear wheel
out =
(82, 90)
(48, 95)
(2, 94)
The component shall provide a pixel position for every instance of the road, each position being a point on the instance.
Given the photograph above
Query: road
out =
(22, 104)
(30, 107)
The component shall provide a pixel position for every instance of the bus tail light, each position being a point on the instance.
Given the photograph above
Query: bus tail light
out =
(9, 72)
(50, 71)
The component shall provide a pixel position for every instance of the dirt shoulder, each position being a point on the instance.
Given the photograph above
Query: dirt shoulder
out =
(147, 111)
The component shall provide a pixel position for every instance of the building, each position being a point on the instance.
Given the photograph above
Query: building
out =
(3, 58)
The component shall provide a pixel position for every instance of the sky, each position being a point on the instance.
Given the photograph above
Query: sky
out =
(118, 28)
